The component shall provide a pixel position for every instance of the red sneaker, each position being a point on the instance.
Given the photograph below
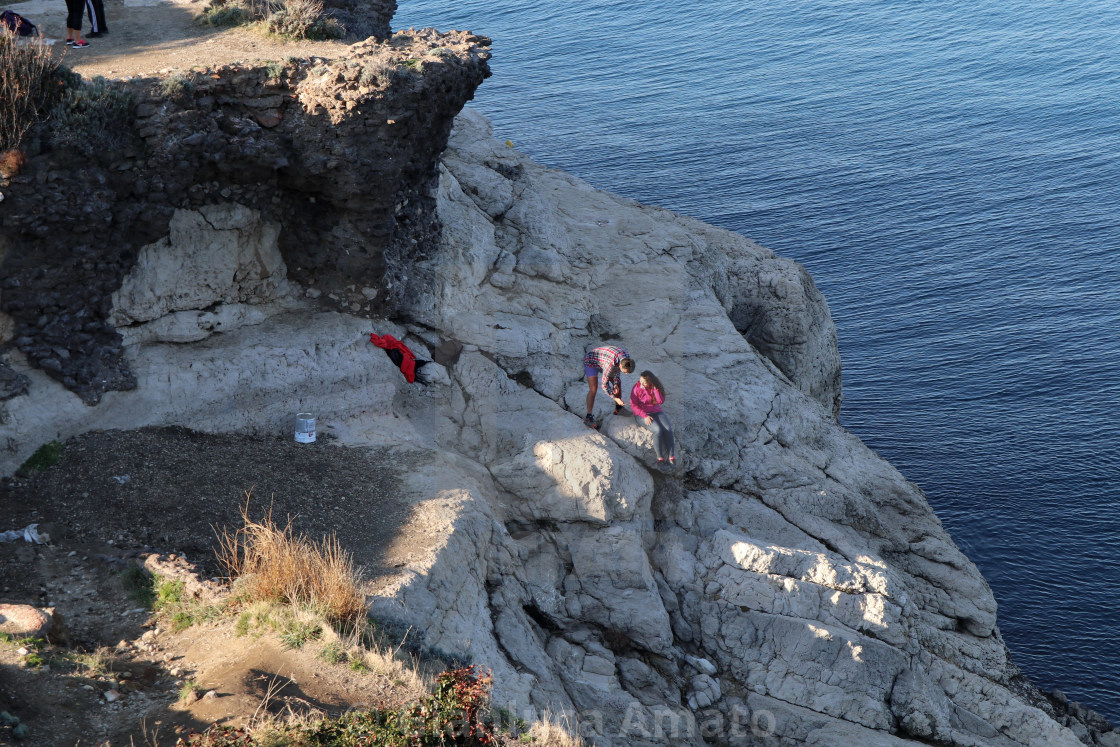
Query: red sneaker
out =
(80, 43)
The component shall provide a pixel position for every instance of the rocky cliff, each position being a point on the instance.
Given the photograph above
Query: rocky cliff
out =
(329, 162)
(783, 585)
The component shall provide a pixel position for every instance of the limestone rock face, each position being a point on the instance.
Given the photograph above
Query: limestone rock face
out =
(218, 254)
(786, 581)
(781, 585)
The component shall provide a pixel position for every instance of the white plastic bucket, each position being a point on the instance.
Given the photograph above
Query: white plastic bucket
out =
(305, 428)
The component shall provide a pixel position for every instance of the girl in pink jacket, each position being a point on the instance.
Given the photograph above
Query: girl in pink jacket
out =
(646, 399)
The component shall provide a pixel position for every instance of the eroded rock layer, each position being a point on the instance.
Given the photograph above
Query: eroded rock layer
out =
(335, 158)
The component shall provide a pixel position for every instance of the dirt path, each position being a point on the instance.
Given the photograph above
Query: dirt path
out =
(148, 36)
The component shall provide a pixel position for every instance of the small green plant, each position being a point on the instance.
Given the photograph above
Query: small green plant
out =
(140, 585)
(505, 720)
(300, 632)
(241, 627)
(333, 653)
(189, 688)
(96, 663)
(45, 456)
(34, 659)
(412, 63)
(274, 70)
(177, 86)
(181, 620)
(357, 664)
(168, 592)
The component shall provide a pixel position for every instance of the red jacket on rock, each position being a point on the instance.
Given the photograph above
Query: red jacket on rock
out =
(399, 353)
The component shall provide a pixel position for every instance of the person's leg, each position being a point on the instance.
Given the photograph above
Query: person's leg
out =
(74, 11)
(592, 386)
(93, 27)
(664, 435)
(655, 427)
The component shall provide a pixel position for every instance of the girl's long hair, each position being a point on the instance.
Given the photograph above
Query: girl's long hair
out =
(654, 382)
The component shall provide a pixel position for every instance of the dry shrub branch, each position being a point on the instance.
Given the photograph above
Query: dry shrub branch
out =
(28, 83)
(269, 563)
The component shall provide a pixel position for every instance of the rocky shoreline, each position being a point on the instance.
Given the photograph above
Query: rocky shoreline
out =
(783, 585)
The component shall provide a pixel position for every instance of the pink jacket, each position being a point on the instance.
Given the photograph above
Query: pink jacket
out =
(645, 402)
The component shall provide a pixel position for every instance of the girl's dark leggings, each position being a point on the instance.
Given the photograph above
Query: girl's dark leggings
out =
(74, 11)
(663, 445)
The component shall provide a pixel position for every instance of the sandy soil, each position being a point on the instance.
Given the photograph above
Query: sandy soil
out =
(149, 36)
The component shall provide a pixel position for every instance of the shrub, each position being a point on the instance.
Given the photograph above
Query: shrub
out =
(177, 86)
(140, 585)
(225, 13)
(92, 118)
(384, 74)
(302, 19)
(454, 714)
(30, 82)
(270, 564)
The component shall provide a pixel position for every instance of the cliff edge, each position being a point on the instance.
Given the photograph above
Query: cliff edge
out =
(782, 585)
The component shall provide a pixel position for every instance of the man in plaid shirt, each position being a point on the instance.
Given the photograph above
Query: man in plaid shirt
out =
(608, 362)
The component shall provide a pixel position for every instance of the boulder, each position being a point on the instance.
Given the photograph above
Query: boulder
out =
(24, 621)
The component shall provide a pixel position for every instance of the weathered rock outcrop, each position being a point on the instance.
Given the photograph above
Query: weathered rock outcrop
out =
(783, 586)
(364, 18)
(335, 158)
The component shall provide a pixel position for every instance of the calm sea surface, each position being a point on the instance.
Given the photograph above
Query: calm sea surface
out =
(949, 172)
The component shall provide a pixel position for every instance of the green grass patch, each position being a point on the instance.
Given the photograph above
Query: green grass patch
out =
(140, 585)
(299, 632)
(333, 653)
(45, 456)
(169, 593)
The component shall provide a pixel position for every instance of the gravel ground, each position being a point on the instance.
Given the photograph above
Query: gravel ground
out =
(166, 489)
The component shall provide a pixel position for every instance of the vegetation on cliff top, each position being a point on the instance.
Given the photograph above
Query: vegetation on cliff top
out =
(31, 82)
(290, 19)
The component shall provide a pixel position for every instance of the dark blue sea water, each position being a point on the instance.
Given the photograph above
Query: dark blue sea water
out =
(949, 172)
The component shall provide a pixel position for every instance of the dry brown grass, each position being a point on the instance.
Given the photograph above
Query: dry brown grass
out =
(549, 732)
(269, 563)
(11, 161)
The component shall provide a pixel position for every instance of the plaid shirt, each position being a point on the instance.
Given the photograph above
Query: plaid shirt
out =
(607, 359)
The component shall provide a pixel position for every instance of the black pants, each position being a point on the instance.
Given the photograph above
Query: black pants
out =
(96, 16)
(74, 10)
